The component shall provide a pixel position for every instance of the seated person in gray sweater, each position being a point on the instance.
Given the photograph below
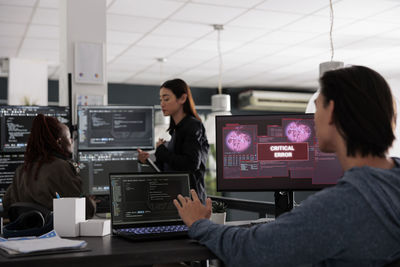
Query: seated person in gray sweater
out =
(48, 168)
(354, 223)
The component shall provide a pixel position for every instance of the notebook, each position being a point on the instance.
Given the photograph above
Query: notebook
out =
(142, 207)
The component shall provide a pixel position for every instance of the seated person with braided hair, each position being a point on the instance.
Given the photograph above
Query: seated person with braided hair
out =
(48, 168)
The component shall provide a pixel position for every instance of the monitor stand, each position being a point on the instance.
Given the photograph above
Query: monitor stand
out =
(283, 202)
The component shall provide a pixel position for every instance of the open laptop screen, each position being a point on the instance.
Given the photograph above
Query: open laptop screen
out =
(139, 198)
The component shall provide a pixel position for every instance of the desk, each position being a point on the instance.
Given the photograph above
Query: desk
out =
(114, 251)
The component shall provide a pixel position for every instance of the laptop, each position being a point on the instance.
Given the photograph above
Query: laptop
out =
(142, 205)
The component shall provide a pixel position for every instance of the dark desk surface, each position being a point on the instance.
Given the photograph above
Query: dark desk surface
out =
(114, 251)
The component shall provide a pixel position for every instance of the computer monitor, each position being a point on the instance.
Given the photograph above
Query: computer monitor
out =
(277, 152)
(16, 123)
(96, 167)
(115, 127)
(8, 164)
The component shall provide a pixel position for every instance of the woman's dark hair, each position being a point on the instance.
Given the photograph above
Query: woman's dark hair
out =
(178, 88)
(364, 111)
(42, 142)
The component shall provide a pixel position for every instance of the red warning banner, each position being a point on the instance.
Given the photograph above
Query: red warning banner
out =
(282, 151)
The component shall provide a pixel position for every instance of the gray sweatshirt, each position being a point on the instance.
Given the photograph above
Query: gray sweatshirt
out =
(355, 223)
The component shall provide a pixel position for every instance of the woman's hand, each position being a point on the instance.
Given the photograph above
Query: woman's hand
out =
(142, 156)
(160, 142)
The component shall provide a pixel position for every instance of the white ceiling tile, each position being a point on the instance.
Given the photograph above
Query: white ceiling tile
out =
(43, 44)
(391, 15)
(208, 14)
(15, 14)
(286, 37)
(265, 19)
(182, 29)
(164, 41)
(46, 16)
(258, 49)
(316, 24)
(145, 8)
(356, 9)
(212, 46)
(28, 3)
(43, 31)
(8, 51)
(133, 63)
(238, 34)
(130, 24)
(40, 54)
(230, 3)
(367, 28)
(12, 29)
(114, 50)
(9, 42)
(49, 3)
(150, 52)
(306, 7)
(115, 37)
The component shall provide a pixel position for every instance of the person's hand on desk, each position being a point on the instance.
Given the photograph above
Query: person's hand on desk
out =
(192, 210)
(142, 156)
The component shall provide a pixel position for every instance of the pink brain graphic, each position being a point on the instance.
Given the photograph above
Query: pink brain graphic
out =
(297, 132)
(238, 141)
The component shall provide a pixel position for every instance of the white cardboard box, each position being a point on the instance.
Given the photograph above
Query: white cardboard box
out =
(95, 227)
(68, 213)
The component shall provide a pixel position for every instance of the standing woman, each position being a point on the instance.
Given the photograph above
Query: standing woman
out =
(48, 168)
(188, 148)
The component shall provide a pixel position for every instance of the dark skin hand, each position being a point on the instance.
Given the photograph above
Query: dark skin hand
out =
(192, 210)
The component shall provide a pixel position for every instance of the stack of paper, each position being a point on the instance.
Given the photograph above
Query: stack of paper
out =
(47, 243)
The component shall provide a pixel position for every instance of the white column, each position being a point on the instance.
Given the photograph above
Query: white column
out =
(82, 23)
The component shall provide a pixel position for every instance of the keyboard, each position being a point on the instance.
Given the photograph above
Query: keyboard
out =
(153, 232)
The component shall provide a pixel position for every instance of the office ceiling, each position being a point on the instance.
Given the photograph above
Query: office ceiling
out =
(264, 42)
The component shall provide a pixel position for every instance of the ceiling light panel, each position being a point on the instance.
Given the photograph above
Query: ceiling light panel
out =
(116, 37)
(130, 24)
(28, 3)
(12, 29)
(182, 29)
(293, 6)
(42, 31)
(208, 14)
(46, 16)
(15, 14)
(145, 8)
(265, 19)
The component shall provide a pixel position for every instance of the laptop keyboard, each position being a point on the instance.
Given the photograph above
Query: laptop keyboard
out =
(155, 229)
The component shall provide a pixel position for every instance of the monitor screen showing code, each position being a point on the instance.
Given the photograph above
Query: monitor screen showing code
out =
(8, 165)
(272, 152)
(16, 123)
(111, 127)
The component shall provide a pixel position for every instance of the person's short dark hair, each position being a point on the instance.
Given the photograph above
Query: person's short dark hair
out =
(364, 111)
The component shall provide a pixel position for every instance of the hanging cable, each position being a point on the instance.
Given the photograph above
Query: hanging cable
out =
(161, 60)
(218, 28)
(331, 29)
